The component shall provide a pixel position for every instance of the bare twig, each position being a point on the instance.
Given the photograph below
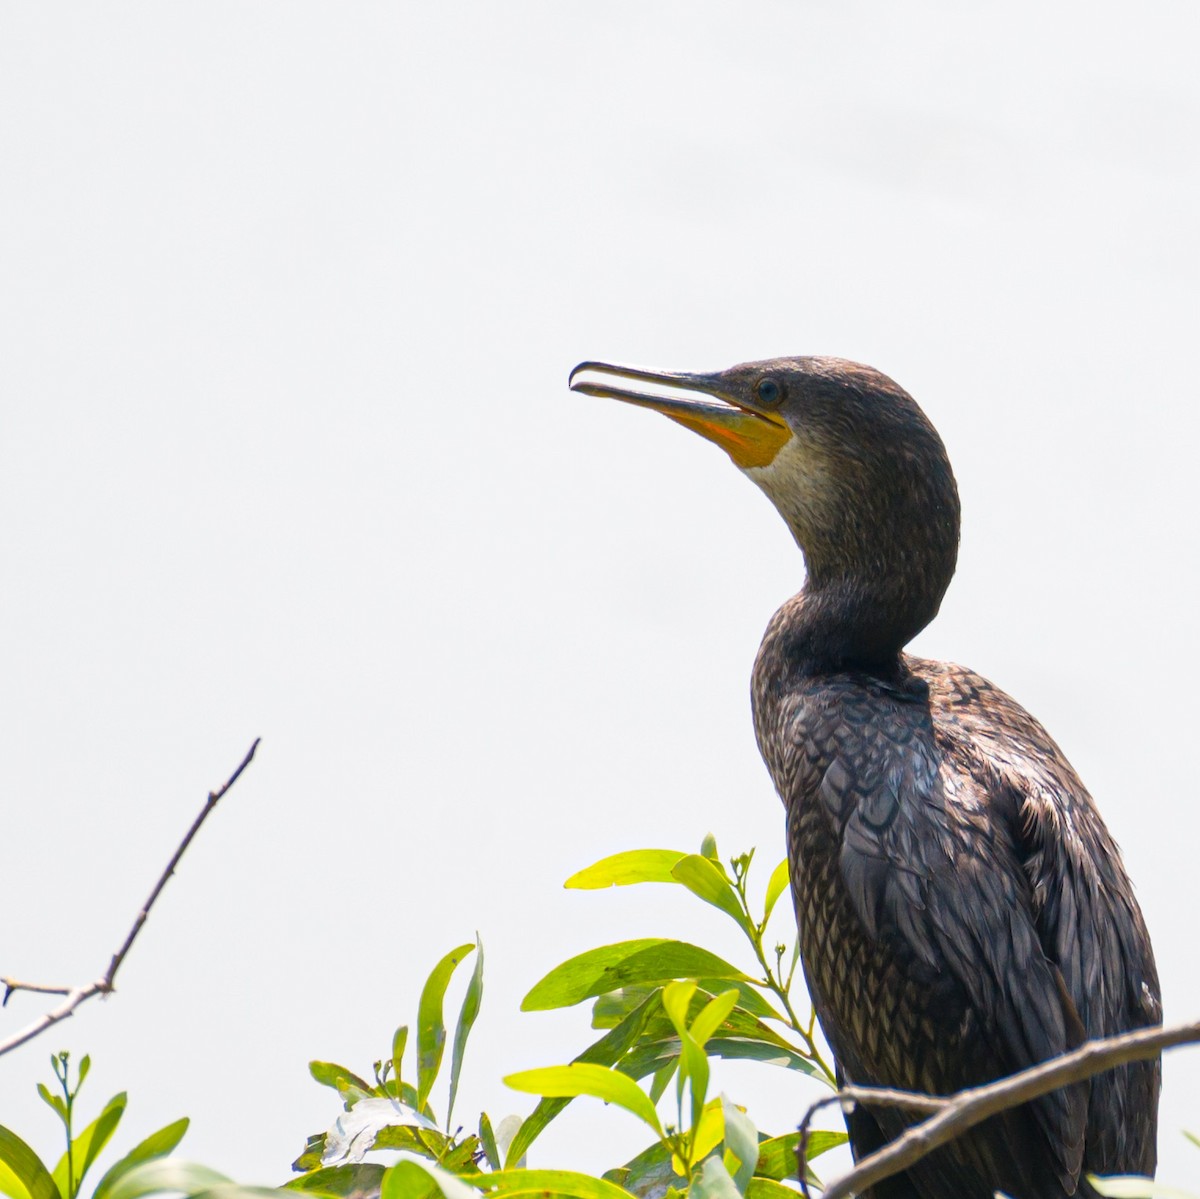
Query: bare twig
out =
(954, 1114)
(104, 985)
(14, 984)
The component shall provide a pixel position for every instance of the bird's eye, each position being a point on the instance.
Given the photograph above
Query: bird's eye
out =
(769, 391)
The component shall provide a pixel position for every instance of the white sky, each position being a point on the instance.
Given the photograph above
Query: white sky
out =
(289, 293)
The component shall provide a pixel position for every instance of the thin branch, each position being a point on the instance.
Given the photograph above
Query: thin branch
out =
(104, 985)
(12, 985)
(954, 1114)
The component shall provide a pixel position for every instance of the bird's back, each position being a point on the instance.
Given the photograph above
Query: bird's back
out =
(963, 914)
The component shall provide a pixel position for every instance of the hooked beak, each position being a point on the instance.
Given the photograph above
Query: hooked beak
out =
(748, 433)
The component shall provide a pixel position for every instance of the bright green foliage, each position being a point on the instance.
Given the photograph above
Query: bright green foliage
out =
(23, 1175)
(664, 1007)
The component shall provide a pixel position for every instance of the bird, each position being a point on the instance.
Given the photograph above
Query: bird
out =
(962, 910)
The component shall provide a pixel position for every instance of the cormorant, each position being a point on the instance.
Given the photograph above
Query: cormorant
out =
(963, 911)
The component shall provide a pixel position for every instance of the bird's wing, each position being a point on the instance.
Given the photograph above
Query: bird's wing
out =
(931, 872)
(1083, 903)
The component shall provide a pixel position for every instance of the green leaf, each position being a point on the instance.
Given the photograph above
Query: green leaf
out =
(712, 1016)
(708, 847)
(466, 1020)
(55, 1102)
(733, 1049)
(166, 1174)
(406, 1180)
(89, 1143)
(777, 885)
(1130, 1186)
(586, 1078)
(676, 1001)
(649, 1174)
(777, 1156)
(314, 1151)
(766, 1188)
(487, 1138)
(749, 997)
(622, 869)
(399, 1042)
(509, 1184)
(403, 1181)
(741, 1143)
(330, 1074)
(347, 1182)
(1191, 1136)
(605, 1052)
(662, 1077)
(649, 960)
(157, 1144)
(707, 1132)
(714, 1182)
(431, 1032)
(612, 1007)
(705, 878)
(27, 1167)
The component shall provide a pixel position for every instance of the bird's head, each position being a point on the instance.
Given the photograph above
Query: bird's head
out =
(852, 464)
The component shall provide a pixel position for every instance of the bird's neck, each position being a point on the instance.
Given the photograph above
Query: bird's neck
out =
(855, 622)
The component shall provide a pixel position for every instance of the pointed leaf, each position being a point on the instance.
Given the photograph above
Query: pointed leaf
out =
(431, 1031)
(649, 960)
(712, 1017)
(166, 1174)
(749, 997)
(330, 1074)
(662, 1077)
(89, 1143)
(399, 1041)
(708, 847)
(676, 1001)
(649, 1174)
(612, 1007)
(708, 1131)
(347, 1182)
(27, 1166)
(705, 878)
(777, 885)
(54, 1101)
(766, 1188)
(487, 1138)
(622, 869)
(509, 1184)
(777, 1156)
(585, 1078)
(605, 1052)
(466, 1020)
(741, 1143)
(714, 1182)
(157, 1144)
(735, 1049)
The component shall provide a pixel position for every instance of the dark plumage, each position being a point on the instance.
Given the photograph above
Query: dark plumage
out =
(963, 911)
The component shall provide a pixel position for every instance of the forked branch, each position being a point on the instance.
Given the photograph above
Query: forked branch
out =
(954, 1114)
(104, 985)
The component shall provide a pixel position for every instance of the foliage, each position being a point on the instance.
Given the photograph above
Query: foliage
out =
(23, 1175)
(665, 1008)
